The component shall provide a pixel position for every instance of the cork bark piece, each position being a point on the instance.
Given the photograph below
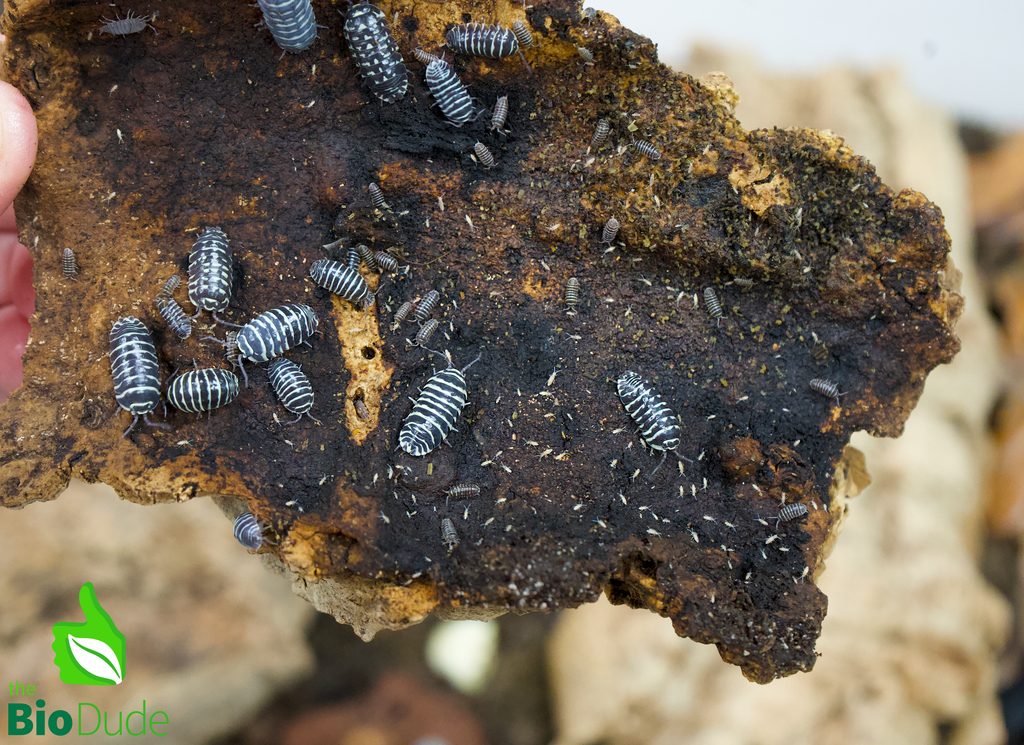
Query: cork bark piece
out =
(146, 139)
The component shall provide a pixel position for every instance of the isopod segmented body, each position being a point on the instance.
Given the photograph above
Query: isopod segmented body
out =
(463, 491)
(385, 261)
(128, 25)
(134, 368)
(376, 53)
(500, 114)
(169, 287)
(714, 307)
(790, 512)
(202, 389)
(600, 133)
(292, 388)
(483, 154)
(341, 280)
(274, 332)
(482, 40)
(434, 413)
(645, 148)
(174, 316)
(744, 282)
(449, 92)
(659, 426)
(449, 535)
(403, 311)
(210, 273)
(68, 264)
(426, 306)
(353, 258)
(248, 531)
(291, 23)
(426, 331)
(572, 292)
(367, 256)
(825, 388)
(377, 197)
(361, 410)
(523, 35)
(231, 344)
(611, 229)
(586, 55)
(425, 57)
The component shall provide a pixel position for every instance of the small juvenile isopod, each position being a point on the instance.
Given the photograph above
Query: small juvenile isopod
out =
(523, 34)
(425, 57)
(341, 280)
(403, 311)
(449, 535)
(367, 256)
(645, 148)
(249, 531)
(361, 411)
(292, 388)
(377, 197)
(451, 95)
(500, 114)
(291, 23)
(172, 284)
(353, 258)
(202, 389)
(135, 370)
(69, 265)
(572, 292)
(426, 306)
(128, 25)
(744, 282)
(434, 413)
(600, 134)
(385, 261)
(375, 52)
(714, 307)
(826, 388)
(611, 229)
(482, 40)
(659, 426)
(426, 331)
(483, 155)
(231, 345)
(463, 491)
(586, 55)
(174, 316)
(790, 512)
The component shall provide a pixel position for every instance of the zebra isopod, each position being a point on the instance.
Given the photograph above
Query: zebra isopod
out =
(128, 25)
(600, 134)
(523, 35)
(659, 426)
(572, 292)
(482, 40)
(375, 52)
(353, 258)
(135, 370)
(483, 154)
(426, 306)
(172, 284)
(449, 535)
(210, 273)
(611, 229)
(274, 332)
(291, 23)
(645, 148)
(463, 491)
(248, 531)
(174, 316)
(714, 307)
(341, 280)
(500, 114)
(426, 331)
(451, 95)
(825, 388)
(367, 256)
(385, 261)
(68, 264)
(377, 197)
(435, 410)
(202, 389)
(292, 388)
(425, 57)
(790, 512)
(231, 344)
(403, 311)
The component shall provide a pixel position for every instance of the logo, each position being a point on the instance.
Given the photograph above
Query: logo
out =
(90, 653)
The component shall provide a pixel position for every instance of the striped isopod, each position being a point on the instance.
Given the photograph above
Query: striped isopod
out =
(482, 40)
(128, 25)
(523, 35)
(600, 133)
(826, 388)
(291, 23)
(68, 264)
(341, 280)
(274, 332)
(174, 316)
(172, 284)
(425, 57)
(375, 52)
(463, 491)
(500, 114)
(248, 531)
(586, 55)
(210, 273)
(134, 368)
(231, 344)
(572, 292)
(611, 229)
(790, 512)
(353, 258)
(744, 282)
(203, 389)
(426, 306)
(367, 256)
(483, 155)
(361, 410)
(403, 311)
(426, 331)
(434, 413)
(385, 261)
(645, 148)
(449, 535)
(377, 197)
(450, 93)
(292, 388)
(714, 307)
(659, 426)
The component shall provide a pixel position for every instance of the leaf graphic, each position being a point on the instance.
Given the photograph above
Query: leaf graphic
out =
(95, 657)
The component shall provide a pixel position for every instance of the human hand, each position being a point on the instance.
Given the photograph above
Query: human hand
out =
(18, 140)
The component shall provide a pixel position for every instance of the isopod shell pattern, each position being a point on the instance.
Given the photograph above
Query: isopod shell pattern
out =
(375, 52)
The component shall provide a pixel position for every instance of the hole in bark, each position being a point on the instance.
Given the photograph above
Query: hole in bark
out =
(369, 353)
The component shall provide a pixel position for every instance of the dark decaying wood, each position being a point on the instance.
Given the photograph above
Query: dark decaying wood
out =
(147, 139)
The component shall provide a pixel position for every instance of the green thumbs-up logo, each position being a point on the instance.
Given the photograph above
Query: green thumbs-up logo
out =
(90, 653)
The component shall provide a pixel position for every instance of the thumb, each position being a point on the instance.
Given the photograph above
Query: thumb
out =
(18, 141)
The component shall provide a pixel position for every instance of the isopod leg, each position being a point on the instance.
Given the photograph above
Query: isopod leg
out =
(225, 323)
